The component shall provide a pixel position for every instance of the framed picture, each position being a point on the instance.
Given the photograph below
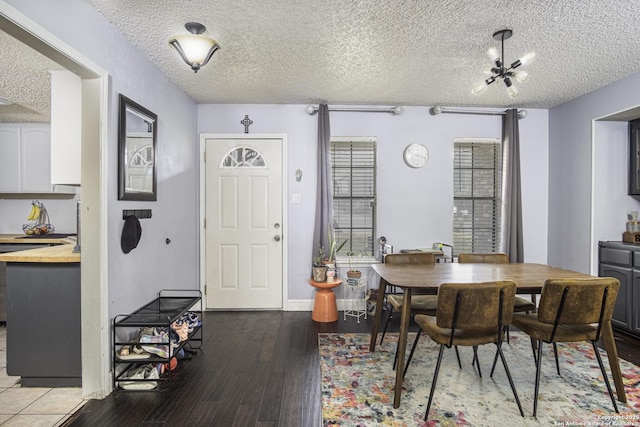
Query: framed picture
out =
(137, 139)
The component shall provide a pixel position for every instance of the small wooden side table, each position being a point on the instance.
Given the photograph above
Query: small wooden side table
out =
(325, 308)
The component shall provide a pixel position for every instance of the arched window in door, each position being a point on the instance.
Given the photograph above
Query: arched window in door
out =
(243, 157)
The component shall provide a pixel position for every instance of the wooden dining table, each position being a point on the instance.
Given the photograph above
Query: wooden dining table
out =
(528, 277)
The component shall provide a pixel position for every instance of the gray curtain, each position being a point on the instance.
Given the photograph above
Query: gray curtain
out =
(511, 228)
(324, 193)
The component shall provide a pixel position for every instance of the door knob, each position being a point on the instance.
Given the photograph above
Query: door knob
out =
(276, 237)
(276, 225)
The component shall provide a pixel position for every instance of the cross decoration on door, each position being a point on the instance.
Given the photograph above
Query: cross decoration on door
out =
(246, 122)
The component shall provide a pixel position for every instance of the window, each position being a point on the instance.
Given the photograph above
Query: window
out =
(477, 182)
(353, 173)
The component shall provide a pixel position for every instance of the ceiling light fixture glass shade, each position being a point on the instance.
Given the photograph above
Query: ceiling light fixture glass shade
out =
(499, 70)
(194, 48)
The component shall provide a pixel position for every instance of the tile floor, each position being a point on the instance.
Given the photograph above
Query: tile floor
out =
(33, 406)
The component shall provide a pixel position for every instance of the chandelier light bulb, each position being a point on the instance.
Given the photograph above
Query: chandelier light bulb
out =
(513, 91)
(488, 69)
(520, 75)
(493, 54)
(480, 88)
(527, 58)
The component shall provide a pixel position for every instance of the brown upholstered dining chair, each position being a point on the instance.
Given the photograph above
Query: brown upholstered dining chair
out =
(420, 304)
(521, 304)
(471, 314)
(570, 310)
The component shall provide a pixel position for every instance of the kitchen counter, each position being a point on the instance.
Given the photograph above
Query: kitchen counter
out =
(23, 239)
(60, 252)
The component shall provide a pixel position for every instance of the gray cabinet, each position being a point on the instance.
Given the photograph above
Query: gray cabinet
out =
(635, 303)
(622, 261)
(43, 324)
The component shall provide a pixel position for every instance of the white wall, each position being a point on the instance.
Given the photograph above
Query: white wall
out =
(570, 171)
(14, 210)
(414, 205)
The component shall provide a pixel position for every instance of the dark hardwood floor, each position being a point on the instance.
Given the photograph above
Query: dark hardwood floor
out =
(255, 369)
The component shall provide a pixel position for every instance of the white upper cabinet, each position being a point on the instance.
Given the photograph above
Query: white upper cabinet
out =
(66, 126)
(10, 159)
(25, 158)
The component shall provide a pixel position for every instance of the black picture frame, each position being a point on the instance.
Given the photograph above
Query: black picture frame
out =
(137, 152)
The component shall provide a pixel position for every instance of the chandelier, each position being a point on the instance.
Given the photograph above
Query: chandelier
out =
(500, 71)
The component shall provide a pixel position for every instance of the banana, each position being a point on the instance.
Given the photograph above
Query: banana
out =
(36, 214)
(32, 213)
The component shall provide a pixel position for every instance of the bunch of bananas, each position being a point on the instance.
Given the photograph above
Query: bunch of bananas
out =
(40, 215)
(36, 210)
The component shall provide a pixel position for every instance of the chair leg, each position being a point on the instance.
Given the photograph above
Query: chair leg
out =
(433, 383)
(386, 324)
(506, 329)
(476, 359)
(495, 361)
(506, 368)
(458, 356)
(537, 388)
(395, 358)
(533, 349)
(604, 375)
(413, 348)
(555, 353)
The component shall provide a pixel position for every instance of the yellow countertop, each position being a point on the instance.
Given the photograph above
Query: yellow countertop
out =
(61, 252)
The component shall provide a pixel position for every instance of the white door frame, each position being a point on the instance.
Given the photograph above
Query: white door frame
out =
(285, 197)
(95, 338)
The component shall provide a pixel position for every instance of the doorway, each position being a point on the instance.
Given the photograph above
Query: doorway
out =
(96, 379)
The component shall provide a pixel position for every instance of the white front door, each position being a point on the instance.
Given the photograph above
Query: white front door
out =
(243, 223)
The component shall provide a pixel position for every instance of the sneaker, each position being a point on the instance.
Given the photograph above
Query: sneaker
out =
(139, 377)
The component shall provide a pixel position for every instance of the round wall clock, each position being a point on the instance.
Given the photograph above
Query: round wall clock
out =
(416, 155)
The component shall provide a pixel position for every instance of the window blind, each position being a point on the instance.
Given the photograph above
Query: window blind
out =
(353, 173)
(477, 185)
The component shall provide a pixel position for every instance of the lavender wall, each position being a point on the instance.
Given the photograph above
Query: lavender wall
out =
(414, 205)
(571, 165)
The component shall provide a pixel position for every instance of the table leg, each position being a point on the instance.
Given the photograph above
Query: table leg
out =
(614, 363)
(402, 346)
(378, 316)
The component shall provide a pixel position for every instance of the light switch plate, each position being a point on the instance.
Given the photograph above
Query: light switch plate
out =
(296, 198)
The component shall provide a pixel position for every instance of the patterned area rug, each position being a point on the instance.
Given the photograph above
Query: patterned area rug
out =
(357, 386)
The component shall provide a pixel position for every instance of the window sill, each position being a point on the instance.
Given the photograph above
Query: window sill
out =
(358, 262)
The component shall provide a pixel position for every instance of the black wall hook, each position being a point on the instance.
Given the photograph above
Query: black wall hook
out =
(138, 213)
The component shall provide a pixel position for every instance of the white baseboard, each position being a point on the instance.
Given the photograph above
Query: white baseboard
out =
(299, 305)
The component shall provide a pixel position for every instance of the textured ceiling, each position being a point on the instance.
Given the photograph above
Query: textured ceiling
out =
(386, 52)
(25, 81)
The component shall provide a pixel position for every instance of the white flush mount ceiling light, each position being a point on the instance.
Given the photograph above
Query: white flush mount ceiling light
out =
(499, 71)
(194, 48)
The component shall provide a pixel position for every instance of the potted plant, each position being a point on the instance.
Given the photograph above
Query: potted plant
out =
(351, 273)
(319, 269)
(334, 248)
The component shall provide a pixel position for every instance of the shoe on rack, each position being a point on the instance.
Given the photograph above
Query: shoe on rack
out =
(142, 378)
